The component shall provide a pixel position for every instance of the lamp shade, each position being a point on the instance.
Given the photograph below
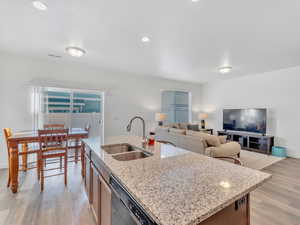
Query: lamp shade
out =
(202, 116)
(160, 117)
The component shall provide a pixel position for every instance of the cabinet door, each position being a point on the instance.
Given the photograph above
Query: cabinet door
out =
(105, 204)
(88, 177)
(95, 195)
(236, 213)
(83, 169)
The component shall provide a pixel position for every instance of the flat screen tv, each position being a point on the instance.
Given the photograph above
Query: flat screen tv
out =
(250, 120)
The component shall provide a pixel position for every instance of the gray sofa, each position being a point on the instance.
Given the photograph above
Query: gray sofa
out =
(198, 142)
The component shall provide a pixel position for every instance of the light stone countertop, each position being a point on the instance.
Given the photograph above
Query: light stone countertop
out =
(178, 187)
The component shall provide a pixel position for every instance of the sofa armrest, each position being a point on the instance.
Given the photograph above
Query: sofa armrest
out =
(211, 151)
(224, 150)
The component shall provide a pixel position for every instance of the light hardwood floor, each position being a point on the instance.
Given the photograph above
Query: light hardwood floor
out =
(57, 205)
(275, 203)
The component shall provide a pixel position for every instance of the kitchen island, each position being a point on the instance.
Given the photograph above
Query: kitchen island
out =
(172, 186)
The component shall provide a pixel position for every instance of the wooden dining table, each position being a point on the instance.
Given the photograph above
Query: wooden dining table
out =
(29, 137)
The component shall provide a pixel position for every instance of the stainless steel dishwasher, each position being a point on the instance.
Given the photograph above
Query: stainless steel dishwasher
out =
(125, 210)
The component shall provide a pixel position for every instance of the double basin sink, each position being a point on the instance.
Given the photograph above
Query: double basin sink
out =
(125, 152)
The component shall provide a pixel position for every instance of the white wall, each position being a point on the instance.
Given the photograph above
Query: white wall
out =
(278, 91)
(126, 94)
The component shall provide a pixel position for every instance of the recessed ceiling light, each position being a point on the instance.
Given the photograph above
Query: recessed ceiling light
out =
(75, 51)
(225, 69)
(145, 39)
(195, 0)
(39, 5)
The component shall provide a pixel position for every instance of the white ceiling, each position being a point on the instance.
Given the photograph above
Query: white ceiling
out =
(189, 40)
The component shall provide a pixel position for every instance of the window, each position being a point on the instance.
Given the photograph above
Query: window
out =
(176, 104)
(86, 103)
(57, 102)
(72, 107)
(75, 102)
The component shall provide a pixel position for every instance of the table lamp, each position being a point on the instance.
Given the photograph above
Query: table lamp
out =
(202, 117)
(160, 117)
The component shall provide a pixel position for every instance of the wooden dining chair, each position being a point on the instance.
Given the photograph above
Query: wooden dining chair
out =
(54, 126)
(50, 151)
(76, 145)
(25, 165)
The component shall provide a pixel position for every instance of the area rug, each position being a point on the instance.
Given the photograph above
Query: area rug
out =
(257, 161)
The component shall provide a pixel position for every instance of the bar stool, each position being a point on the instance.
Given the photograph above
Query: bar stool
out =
(50, 151)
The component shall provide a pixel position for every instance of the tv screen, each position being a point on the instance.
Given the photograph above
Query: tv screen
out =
(250, 120)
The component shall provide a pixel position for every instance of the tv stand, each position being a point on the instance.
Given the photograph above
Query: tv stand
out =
(252, 142)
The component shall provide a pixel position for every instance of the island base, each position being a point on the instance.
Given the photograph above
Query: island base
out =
(237, 213)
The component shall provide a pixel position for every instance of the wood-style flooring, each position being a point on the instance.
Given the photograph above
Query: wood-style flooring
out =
(57, 205)
(275, 203)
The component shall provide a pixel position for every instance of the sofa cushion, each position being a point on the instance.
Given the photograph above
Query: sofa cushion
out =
(174, 125)
(195, 133)
(191, 143)
(166, 129)
(193, 127)
(177, 131)
(198, 134)
(204, 143)
(212, 140)
(224, 150)
(183, 126)
(223, 139)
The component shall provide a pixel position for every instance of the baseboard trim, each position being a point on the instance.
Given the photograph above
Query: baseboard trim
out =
(293, 154)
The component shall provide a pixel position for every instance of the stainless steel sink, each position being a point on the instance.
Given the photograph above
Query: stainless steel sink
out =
(118, 148)
(125, 152)
(131, 156)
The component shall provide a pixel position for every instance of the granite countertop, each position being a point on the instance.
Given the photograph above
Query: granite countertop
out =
(178, 187)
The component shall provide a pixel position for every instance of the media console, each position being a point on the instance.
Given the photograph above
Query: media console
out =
(251, 142)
